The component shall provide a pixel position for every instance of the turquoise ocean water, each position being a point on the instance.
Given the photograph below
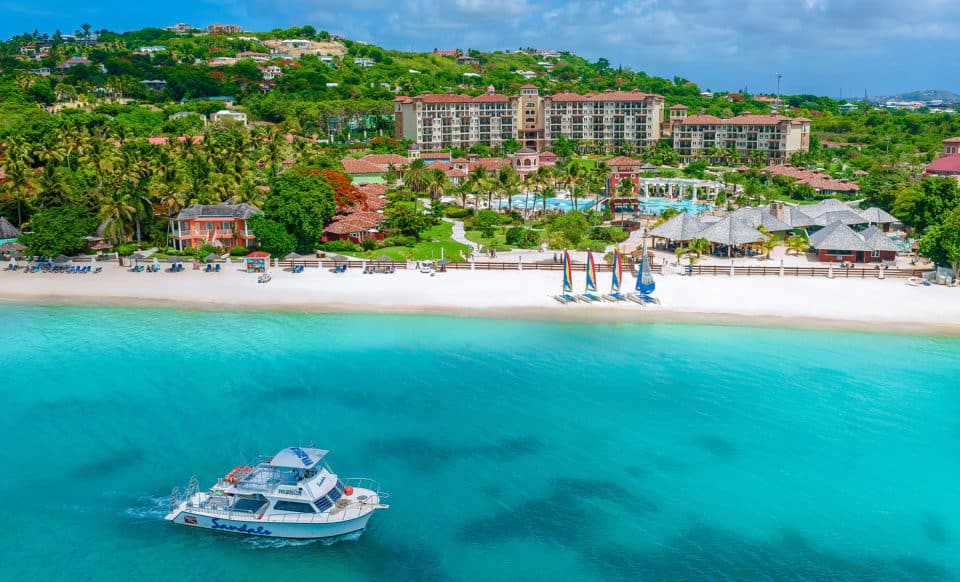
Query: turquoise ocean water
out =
(511, 450)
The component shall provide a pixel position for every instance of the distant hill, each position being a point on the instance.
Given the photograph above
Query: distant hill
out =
(928, 95)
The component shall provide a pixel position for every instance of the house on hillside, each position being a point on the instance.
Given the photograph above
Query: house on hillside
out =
(227, 115)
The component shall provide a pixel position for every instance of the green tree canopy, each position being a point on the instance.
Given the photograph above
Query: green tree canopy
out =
(927, 202)
(941, 243)
(58, 231)
(273, 237)
(571, 226)
(303, 202)
(404, 219)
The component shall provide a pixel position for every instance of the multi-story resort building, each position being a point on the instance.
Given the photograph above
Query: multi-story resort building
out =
(775, 136)
(219, 225)
(611, 119)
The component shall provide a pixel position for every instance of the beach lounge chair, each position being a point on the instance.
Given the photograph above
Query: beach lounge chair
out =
(98, 270)
(216, 268)
(635, 298)
(85, 269)
(208, 269)
(179, 267)
(614, 297)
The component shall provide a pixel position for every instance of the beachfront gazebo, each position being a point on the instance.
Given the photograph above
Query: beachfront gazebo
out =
(681, 228)
(731, 232)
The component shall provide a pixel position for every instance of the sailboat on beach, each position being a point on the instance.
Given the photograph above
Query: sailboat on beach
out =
(590, 291)
(567, 295)
(645, 282)
(615, 294)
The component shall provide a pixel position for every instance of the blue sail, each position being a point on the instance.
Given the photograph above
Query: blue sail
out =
(645, 282)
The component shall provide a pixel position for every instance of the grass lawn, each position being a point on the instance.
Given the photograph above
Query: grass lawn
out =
(432, 241)
(498, 241)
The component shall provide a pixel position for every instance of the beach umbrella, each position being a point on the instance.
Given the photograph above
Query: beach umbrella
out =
(174, 260)
(292, 256)
(101, 246)
(137, 257)
(61, 259)
(17, 255)
(339, 258)
(211, 257)
(384, 259)
(444, 261)
(11, 247)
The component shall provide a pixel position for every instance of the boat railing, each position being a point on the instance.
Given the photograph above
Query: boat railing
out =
(366, 483)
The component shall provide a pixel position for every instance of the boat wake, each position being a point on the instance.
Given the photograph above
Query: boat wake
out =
(263, 543)
(149, 508)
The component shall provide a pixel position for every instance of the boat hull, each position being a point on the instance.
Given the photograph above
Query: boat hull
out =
(273, 529)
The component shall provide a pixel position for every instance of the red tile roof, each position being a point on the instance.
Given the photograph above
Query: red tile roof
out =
(946, 165)
(624, 161)
(679, 106)
(386, 159)
(355, 166)
(814, 179)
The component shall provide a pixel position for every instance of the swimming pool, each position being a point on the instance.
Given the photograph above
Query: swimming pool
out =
(530, 202)
(657, 206)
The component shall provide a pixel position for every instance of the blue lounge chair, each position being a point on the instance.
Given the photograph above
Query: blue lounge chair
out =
(209, 268)
(179, 267)
(216, 268)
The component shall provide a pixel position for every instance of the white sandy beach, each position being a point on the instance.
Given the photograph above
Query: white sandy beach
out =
(873, 304)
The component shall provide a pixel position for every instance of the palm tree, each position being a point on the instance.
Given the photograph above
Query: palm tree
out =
(117, 209)
(18, 182)
(507, 183)
(543, 178)
(415, 177)
(798, 244)
(701, 246)
(573, 177)
(601, 171)
(437, 185)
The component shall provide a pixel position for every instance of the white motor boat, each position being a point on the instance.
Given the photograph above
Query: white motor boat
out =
(293, 494)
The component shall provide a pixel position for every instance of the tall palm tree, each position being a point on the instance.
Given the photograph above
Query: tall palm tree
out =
(601, 173)
(415, 177)
(573, 177)
(507, 183)
(118, 210)
(437, 185)
(18, 181)
(543, 178)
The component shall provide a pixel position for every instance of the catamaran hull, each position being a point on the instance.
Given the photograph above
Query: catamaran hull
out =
(271, 529)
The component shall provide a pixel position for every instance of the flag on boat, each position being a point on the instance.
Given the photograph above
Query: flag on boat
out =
(190, 520)
(567, 273)
(645, 283)
(617, 272)
(591, 274)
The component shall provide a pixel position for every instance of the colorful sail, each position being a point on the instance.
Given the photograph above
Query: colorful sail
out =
(591, 274)
(617, 272)
(645, 283)
(567, 274)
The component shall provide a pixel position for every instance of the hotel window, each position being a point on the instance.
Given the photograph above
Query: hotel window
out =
(207, 226)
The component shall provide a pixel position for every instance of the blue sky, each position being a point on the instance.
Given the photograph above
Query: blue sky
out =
(820, 46)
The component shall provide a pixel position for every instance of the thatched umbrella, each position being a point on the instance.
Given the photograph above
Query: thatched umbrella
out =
(339, 258)
(11, 247)
(61, 259)
(211, 257)
(292, 256)
(384, 259)
(102, 246)
(174, 260)
(17, 255)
